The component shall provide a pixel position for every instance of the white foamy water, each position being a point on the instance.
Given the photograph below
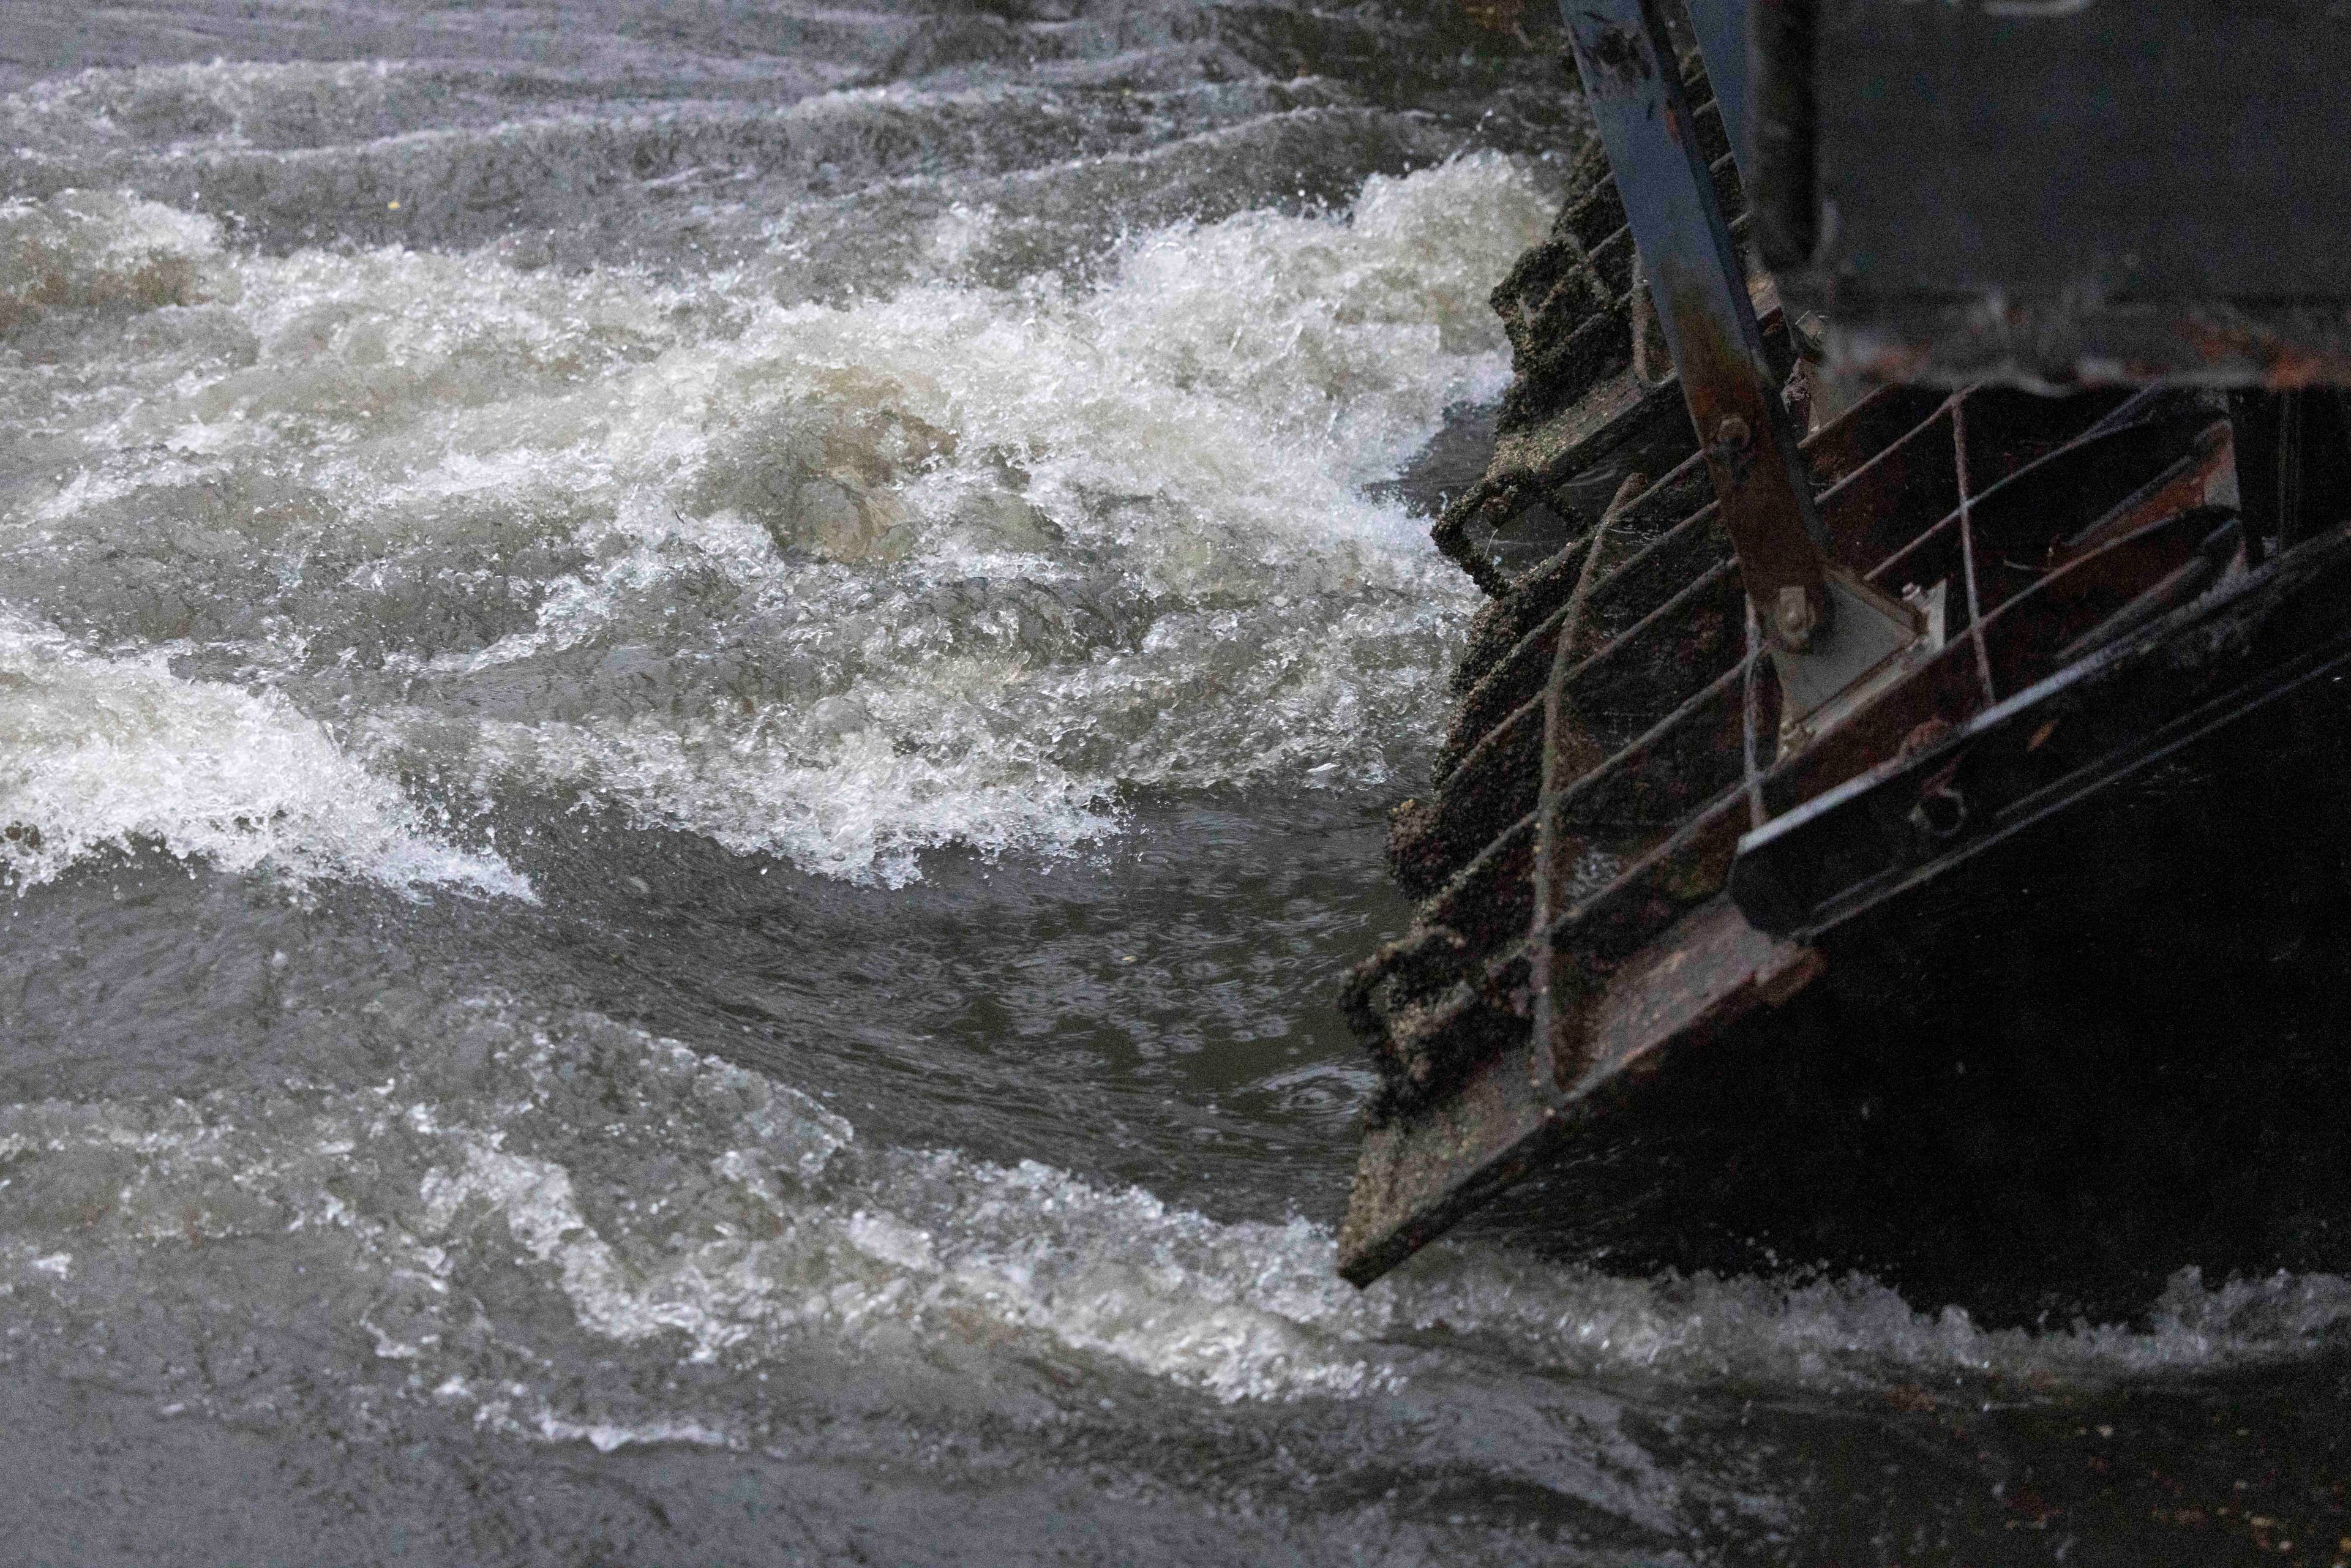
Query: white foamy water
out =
(112, 753)
(524, 1191)
(842, 584)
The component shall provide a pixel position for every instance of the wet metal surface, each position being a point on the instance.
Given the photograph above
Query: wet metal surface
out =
(2060, 195)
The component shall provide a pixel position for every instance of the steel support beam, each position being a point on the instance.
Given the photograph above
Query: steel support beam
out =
(1721, 29)
(1829, 631)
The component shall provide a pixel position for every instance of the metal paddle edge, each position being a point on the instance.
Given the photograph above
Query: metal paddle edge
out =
(2051, 746)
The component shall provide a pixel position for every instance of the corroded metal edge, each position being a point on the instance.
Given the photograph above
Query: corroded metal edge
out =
(2050, 341)
(1419, 1174)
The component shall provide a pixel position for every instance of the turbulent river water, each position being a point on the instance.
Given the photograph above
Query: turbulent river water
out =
(695, 707)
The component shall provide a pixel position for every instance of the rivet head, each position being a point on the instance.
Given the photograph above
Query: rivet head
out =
(1795, 617)
(1733, 433)
(1941, 812)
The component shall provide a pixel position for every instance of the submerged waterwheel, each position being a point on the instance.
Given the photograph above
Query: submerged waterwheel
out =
(1796, 774)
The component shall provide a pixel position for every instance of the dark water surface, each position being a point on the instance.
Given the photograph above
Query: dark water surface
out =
(695, 702)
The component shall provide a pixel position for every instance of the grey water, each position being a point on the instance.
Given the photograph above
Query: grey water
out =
(697, 703)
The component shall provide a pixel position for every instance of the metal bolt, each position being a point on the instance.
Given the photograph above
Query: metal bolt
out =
(1940, 813)
(1795, 617)
(1732, 432)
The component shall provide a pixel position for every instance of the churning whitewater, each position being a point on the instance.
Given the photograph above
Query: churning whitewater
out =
(839, 582)
(695, 707)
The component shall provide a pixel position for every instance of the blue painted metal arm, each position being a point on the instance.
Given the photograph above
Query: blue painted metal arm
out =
(1634, 88)
(1721, 29)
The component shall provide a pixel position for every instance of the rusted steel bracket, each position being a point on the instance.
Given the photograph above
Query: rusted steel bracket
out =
(1829, 630)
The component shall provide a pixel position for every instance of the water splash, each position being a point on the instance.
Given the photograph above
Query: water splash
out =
(110, 753)
(587, 1184)
(842, 584)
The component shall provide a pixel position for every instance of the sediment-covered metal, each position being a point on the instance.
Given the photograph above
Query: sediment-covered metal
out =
(1618, 732)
